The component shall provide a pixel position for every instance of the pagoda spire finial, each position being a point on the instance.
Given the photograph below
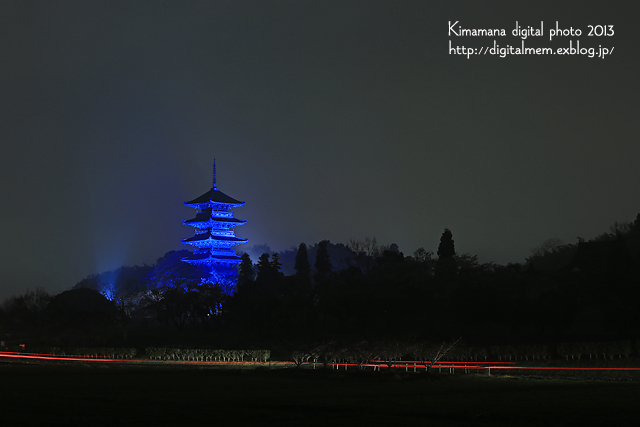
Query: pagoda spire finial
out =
(214, 175)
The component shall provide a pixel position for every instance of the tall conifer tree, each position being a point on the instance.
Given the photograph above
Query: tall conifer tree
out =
(446, 264)
(302, 266)
(245, 275)
(323, 263)
(446, 248)
(264, 267)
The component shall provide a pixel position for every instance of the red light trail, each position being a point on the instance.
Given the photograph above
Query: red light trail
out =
(376, 364)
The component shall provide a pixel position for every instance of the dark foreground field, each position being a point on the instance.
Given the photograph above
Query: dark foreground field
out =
(99, 395)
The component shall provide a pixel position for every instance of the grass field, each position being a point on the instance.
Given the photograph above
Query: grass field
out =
(101, 395)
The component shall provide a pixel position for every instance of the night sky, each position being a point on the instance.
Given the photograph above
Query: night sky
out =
(331, 119)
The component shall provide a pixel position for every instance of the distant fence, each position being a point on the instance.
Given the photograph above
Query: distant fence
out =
(460, 367)
(152, 353)
(260, 357)
(416, 366)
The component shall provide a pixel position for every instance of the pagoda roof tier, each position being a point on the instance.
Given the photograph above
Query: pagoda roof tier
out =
(214, 196)
(209, 236)
(206, 217)
(209, 256)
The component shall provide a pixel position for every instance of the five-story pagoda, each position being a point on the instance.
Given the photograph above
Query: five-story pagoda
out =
(214, 238)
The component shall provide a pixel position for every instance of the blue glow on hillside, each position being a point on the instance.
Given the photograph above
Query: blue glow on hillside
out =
(109, 291)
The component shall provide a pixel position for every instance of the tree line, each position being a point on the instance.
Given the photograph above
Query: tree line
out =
(563, 293)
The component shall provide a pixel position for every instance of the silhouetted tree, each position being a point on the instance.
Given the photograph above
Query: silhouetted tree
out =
(551, 255)
(209, 303)
(187, 302)
(82, 314)
(264, 267)
(446, 248)
(366, 252)
(323, 263)
(302, 267)
(276, 265)
(390, 257)
(25, 314)
(421, 255)
(425, 260)
(245, 273)
(269, 274)
(446, 265)
(548, 246)
(174, 305)
(633, 240)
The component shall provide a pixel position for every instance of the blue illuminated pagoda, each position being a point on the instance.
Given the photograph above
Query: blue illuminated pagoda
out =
(214, 238)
